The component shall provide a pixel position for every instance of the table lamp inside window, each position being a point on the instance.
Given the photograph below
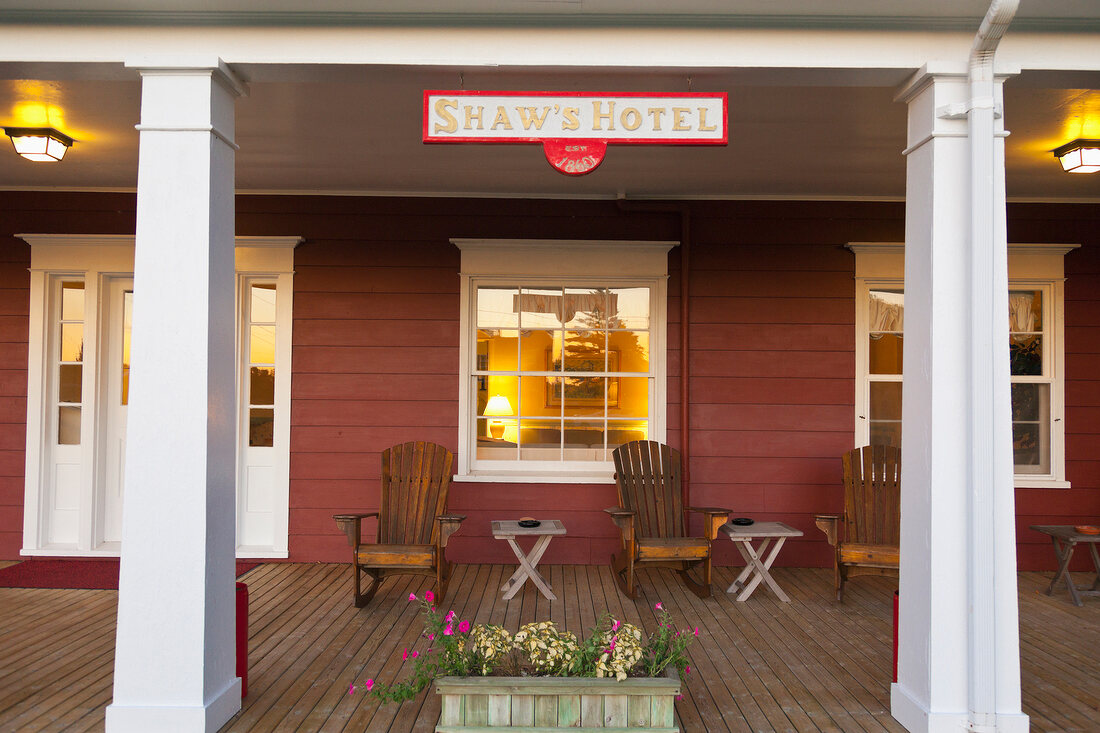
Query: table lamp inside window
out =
(498, 406)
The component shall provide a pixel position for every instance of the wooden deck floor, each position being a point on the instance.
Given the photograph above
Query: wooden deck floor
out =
(811, 665)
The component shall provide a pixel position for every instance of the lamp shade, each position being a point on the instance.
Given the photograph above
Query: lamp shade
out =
(1079, 156)
(40, 144)
(498, 405)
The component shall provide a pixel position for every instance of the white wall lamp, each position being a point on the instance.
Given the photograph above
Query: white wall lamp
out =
(1079, 156)
(40, 144)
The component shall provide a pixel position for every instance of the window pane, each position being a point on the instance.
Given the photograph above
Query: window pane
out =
(885, 433)
(1025, 311)
(885, 352)
(628, 397)
(1031, 428)
(72, 342)
(585, 308)
(1025, 355)
(584, 440)
(540, 396)
(887, 311)
(68, 426)
(261, 427)
(624, 431)
(584, 351)
(262, 345)
(631, 350)
(69, 383)
(496, 350)
(540, 440)
(496, 308)
(262, 386)
(539, 308)
(536, 349)
(72, 301)
(629, 307)
(885, 401)
(499, 397)
(490, 448)
(584, 396)
(262, 309)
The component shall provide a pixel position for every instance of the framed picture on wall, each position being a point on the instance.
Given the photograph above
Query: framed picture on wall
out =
(582, 391)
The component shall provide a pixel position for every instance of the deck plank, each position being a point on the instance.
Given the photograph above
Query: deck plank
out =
(809, 665)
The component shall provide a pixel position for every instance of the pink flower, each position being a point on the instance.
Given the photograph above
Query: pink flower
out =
(450, 616)
(405, 654)
(659, 607)
(448, 630)
(370, 684)
(697, 631)
(417, 654)
(351, 689)
(679, 698)
(429, 650)
(687, 669)
(412, 596)
(615, 626)
(431, 637)
(463, 626)
(429, 596)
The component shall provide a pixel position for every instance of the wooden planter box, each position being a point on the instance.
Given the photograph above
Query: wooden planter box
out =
(534, 704)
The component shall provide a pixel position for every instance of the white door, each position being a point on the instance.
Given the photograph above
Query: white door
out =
(119, 300)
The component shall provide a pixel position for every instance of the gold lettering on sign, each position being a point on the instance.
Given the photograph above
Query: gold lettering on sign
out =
(441, 107)
(471, 116)
(598, 115)
(656, 113)
(630, 118)
(501, 119)
(703, 121)
(572, 120)
(678, 123)
(529, 116)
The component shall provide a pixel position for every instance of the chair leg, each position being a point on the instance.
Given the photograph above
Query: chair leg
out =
(839, 576)
(442, 578)
(622, 567)
(361, 598)
(700, 589)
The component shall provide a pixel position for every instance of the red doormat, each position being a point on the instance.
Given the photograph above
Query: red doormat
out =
(86, 574)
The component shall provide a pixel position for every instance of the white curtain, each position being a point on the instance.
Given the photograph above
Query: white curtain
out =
(593, 304)
(1021, 312)
(885, 315)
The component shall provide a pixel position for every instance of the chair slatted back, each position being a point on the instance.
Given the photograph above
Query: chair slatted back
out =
(872, 495)
(416, 477)
(647, 474)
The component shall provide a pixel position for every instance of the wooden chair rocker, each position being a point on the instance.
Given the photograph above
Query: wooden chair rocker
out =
(651, 517)
(866, 537)
(413, 526)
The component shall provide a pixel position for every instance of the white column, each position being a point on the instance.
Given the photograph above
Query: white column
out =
(958, 656)
(174, 651)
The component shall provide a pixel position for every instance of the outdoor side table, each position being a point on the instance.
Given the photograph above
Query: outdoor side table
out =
(757, 567)
(509, 529)
(1065, 538)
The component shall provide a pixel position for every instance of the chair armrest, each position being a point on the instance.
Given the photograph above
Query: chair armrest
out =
(713, 518)
(624, 520)
(351, 524)
(828, 523)
(448, 525)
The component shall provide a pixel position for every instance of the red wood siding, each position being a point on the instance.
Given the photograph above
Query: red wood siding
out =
(375, 354)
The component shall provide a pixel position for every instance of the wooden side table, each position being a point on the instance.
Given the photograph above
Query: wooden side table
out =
(1065, 538)
(757, 567)
(509, 529)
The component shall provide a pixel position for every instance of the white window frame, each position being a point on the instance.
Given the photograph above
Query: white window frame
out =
(881, 266)
(569, 263)
(96, 259)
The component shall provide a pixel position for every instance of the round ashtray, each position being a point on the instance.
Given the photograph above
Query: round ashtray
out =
(1087, 529)
(529, 523)
(741, 521)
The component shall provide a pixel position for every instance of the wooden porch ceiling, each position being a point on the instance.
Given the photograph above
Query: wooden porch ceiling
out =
(762, 665)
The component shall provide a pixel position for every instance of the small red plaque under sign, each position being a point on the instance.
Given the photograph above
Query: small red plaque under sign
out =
(575, 157)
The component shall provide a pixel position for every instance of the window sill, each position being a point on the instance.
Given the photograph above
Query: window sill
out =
(538, 478)
(1022, 482)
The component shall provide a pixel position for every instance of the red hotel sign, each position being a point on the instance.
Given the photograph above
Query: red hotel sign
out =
(575, 128)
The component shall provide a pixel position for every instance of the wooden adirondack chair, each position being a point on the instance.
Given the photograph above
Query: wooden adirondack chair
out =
(867, 535)
(651, 517)
(413, 526)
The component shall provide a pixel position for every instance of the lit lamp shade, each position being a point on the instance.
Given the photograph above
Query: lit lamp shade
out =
(1079, 156)
(497, 406)
(43, 145)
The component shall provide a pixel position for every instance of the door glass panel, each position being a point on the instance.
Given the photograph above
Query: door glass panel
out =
(72, 301)
(1031, 427)
(69, 382)
(262, 345)
(1025, 355)
(885, 352)
(263, 303)
(68, 425)
(72, 342)
(261, 427)
(885, 417)
(262, 385)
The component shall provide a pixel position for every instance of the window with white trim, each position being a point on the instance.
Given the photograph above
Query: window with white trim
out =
(563, 356)
(1036, 354)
